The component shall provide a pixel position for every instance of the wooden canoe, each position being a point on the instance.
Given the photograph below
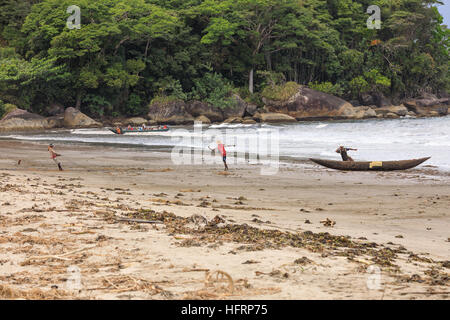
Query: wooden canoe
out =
(370, 165)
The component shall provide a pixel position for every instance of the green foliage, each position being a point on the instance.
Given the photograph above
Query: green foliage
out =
(128, 51)
(2, 109)
(327, 87)
(95, 105)
(271, 78)
(280, 92)
(214, 89)
(135, 107)
(6, 108)
(358, 86)
(372, 82)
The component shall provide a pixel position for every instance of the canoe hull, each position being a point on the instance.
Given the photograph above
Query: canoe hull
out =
(136, 132)
(370, 165)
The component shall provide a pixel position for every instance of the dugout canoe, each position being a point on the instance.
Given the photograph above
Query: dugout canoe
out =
(370, 165)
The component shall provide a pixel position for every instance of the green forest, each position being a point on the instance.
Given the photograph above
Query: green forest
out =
(130, 53)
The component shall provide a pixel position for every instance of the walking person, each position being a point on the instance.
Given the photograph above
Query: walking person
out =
(54, 155)
(223, 153)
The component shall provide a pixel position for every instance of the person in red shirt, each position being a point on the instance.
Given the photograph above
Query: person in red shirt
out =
(223, 153)
(53, 156)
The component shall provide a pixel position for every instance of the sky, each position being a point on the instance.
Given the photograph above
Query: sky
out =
(445, 11)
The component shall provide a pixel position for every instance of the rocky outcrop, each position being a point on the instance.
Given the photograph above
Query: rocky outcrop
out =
(309, 104)
(233, 120)
(198, 108)
(136, 121)
(74, 118)
(428, 107)
(238, 110)
(172, 113)
(20, 120)
(251, 109)
(203, 120)
(398, 110)
(364, 112)
(272, 117)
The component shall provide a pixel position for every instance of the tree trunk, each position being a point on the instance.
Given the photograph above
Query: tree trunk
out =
(78, 100)
(268, 61)
(250, 81)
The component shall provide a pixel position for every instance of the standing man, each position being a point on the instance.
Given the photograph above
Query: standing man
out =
(53, 156)
(222, 151)
(343, 151)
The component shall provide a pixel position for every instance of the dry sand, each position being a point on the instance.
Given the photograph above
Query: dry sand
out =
(264, 237)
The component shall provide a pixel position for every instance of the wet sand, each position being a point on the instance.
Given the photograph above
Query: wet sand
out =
(304, 233)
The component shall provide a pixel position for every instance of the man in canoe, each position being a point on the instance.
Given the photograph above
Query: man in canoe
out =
(343, 151)
(53, 156)
(222, 151)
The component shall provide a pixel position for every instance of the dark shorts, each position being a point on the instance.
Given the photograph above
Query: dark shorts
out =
(224, 158)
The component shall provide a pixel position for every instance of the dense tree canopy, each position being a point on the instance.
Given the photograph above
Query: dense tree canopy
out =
(130, 52)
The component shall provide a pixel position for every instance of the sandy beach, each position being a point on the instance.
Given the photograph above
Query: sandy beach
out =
(305, 233)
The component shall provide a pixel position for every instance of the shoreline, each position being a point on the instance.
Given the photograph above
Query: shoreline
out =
(397, 222)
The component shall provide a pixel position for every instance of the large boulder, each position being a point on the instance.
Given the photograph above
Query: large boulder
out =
(198, 108)
(238, 110)
(309, 104)
(398, 110)
(272, 117)
(20, 120)
(74, 118)
(172, 112)
(251, 109)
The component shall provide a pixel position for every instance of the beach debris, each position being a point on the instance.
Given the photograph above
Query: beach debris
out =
(137, 220)
(125, 283)
(274, 273)
(307, 221)
(162, 194)
(191, 190)
(328, 223)
(7, 292)
(215, 278)
(399, 236)
(250, 262)
(216, 221)
(303, 260)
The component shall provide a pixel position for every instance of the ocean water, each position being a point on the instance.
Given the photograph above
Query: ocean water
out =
(376, 140)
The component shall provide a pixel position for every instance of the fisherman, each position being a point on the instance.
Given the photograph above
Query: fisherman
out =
(53, 156)
(343, 151)
(222, 151)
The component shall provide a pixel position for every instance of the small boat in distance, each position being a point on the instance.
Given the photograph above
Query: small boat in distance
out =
(370, 165)
(138, 130)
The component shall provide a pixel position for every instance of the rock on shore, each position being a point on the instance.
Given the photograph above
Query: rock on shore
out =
(309, 104)
(18, 120)
(74, 118)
